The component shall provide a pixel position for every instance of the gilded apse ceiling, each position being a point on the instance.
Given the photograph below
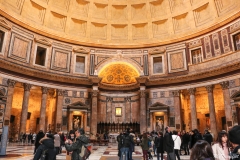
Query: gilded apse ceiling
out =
(118, 74)
(120, 23)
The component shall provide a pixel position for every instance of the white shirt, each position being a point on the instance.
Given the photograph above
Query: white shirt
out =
(177, 141)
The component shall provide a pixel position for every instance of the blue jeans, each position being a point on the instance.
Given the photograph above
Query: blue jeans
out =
(124, 150)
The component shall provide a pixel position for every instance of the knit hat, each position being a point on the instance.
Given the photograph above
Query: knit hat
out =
(234, 134)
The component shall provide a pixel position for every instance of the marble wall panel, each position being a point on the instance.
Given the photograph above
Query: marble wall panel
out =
(60, 60)
(177, 61)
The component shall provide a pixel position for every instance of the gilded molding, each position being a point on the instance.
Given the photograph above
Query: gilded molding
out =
(224, 85)
(11, 83)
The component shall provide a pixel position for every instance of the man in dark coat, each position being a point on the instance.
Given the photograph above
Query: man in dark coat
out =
(195, 137)
(169, 144)
(46, 148)
(208, 137)
(75, 147)
(234, 138)
(39, 136)
(185, 141)
(159, 145)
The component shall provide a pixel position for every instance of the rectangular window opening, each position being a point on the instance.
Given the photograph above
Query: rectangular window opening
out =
(1, 39)
(80, 64)
(157, 65)
(196, 56)
(40, 56)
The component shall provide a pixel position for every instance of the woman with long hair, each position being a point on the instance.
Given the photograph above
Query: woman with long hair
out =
(145, 146)
(202, 151)
(221, 148)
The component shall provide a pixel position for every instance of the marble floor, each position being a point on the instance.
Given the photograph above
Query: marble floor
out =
(16, 151)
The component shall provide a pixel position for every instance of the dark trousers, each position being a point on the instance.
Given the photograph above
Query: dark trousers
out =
(158, 156)
(171, 156)
(177, 153)
(186, 149)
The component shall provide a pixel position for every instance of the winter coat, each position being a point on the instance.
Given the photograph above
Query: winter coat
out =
(39, 136)
(168, 143)
(57, 140)
(208, 137)
(159, 144)
(177, 141)
(185, 138)
(218, 152)
(76, 147)
(144, 144)
(47, 144)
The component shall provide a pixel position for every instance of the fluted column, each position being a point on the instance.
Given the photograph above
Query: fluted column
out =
(94, 112)
(177, 110)
(109, 109)
(42, 125)
(24, 113)
(213, 121)
(192, 92)
(227, 103)
(143, 114)
(58, 120)
(8, 108)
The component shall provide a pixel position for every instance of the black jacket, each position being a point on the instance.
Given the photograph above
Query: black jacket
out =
(185, 138)
(76, 147)
(168, 143)
(208, 137)
(39, 136)
(235, 155)
(48, 146)
(159, 144)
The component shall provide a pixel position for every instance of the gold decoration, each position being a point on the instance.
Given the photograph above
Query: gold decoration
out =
(118, 73)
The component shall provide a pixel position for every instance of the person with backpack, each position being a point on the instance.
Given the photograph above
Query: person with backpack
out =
(159, 145)
(169, 144)
(76, 147)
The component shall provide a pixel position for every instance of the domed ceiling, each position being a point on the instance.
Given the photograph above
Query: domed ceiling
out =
(120, 23)
(118, 73)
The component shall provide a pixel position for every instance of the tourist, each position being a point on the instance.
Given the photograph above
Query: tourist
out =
(208, 137)
(30, 138)
(24, 136)
(125, 141)
(39, 136)
(57, 142)
(177, 143)
(202, 151)
(234, 138)
(144, 145)
(46, 148)
(74, 147)
(159, 145)
(195, 137)
(168, 144)
(132, 144)
(185, 141)
(119, 144)
(221, 148)
(34, 137)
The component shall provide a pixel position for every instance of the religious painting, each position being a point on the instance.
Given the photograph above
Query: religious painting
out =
(76, 121)
(236, 40)
(119, 111)
(159, 123)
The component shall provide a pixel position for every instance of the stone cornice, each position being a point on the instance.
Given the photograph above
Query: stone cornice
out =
(118, 87)
(43, 74)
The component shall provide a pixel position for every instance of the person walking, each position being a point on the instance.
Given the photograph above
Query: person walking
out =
(221, 148)
(177, 143)
(159, 145)
(39, 136)
(57, 143)
(208, 137)
(125, 141)
(75, 147)
(145, 147)
(168, 144)
(202, 151)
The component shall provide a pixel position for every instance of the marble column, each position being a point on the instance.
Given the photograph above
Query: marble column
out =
(85, 121)
(8, 108)
(192, 92)
(128, 109)
(94, 118)
(24, 114)
(177, 110)
(69, 118)
(58, 118)
(213, 121)
(109, 109)
(227, 103)
(42, 125)
(143, 110)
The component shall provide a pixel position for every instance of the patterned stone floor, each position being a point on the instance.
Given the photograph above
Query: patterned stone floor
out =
(25, 152)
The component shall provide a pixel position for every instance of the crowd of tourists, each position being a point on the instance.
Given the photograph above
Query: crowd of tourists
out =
(174, 144)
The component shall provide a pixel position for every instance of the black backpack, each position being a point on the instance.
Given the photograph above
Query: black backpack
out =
(126, 141)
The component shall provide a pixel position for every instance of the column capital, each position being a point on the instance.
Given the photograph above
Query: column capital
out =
(175, 93)
(60, 92)
(127, 99)
(224, 84)
(27, 86)
(109, 99)
(44, 90)
(11, 83)
(94, 93)
(192, 91)
(142, 93)
(209, 88)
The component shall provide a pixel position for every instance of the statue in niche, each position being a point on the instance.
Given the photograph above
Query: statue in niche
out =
(76, 122)
(159, 124)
